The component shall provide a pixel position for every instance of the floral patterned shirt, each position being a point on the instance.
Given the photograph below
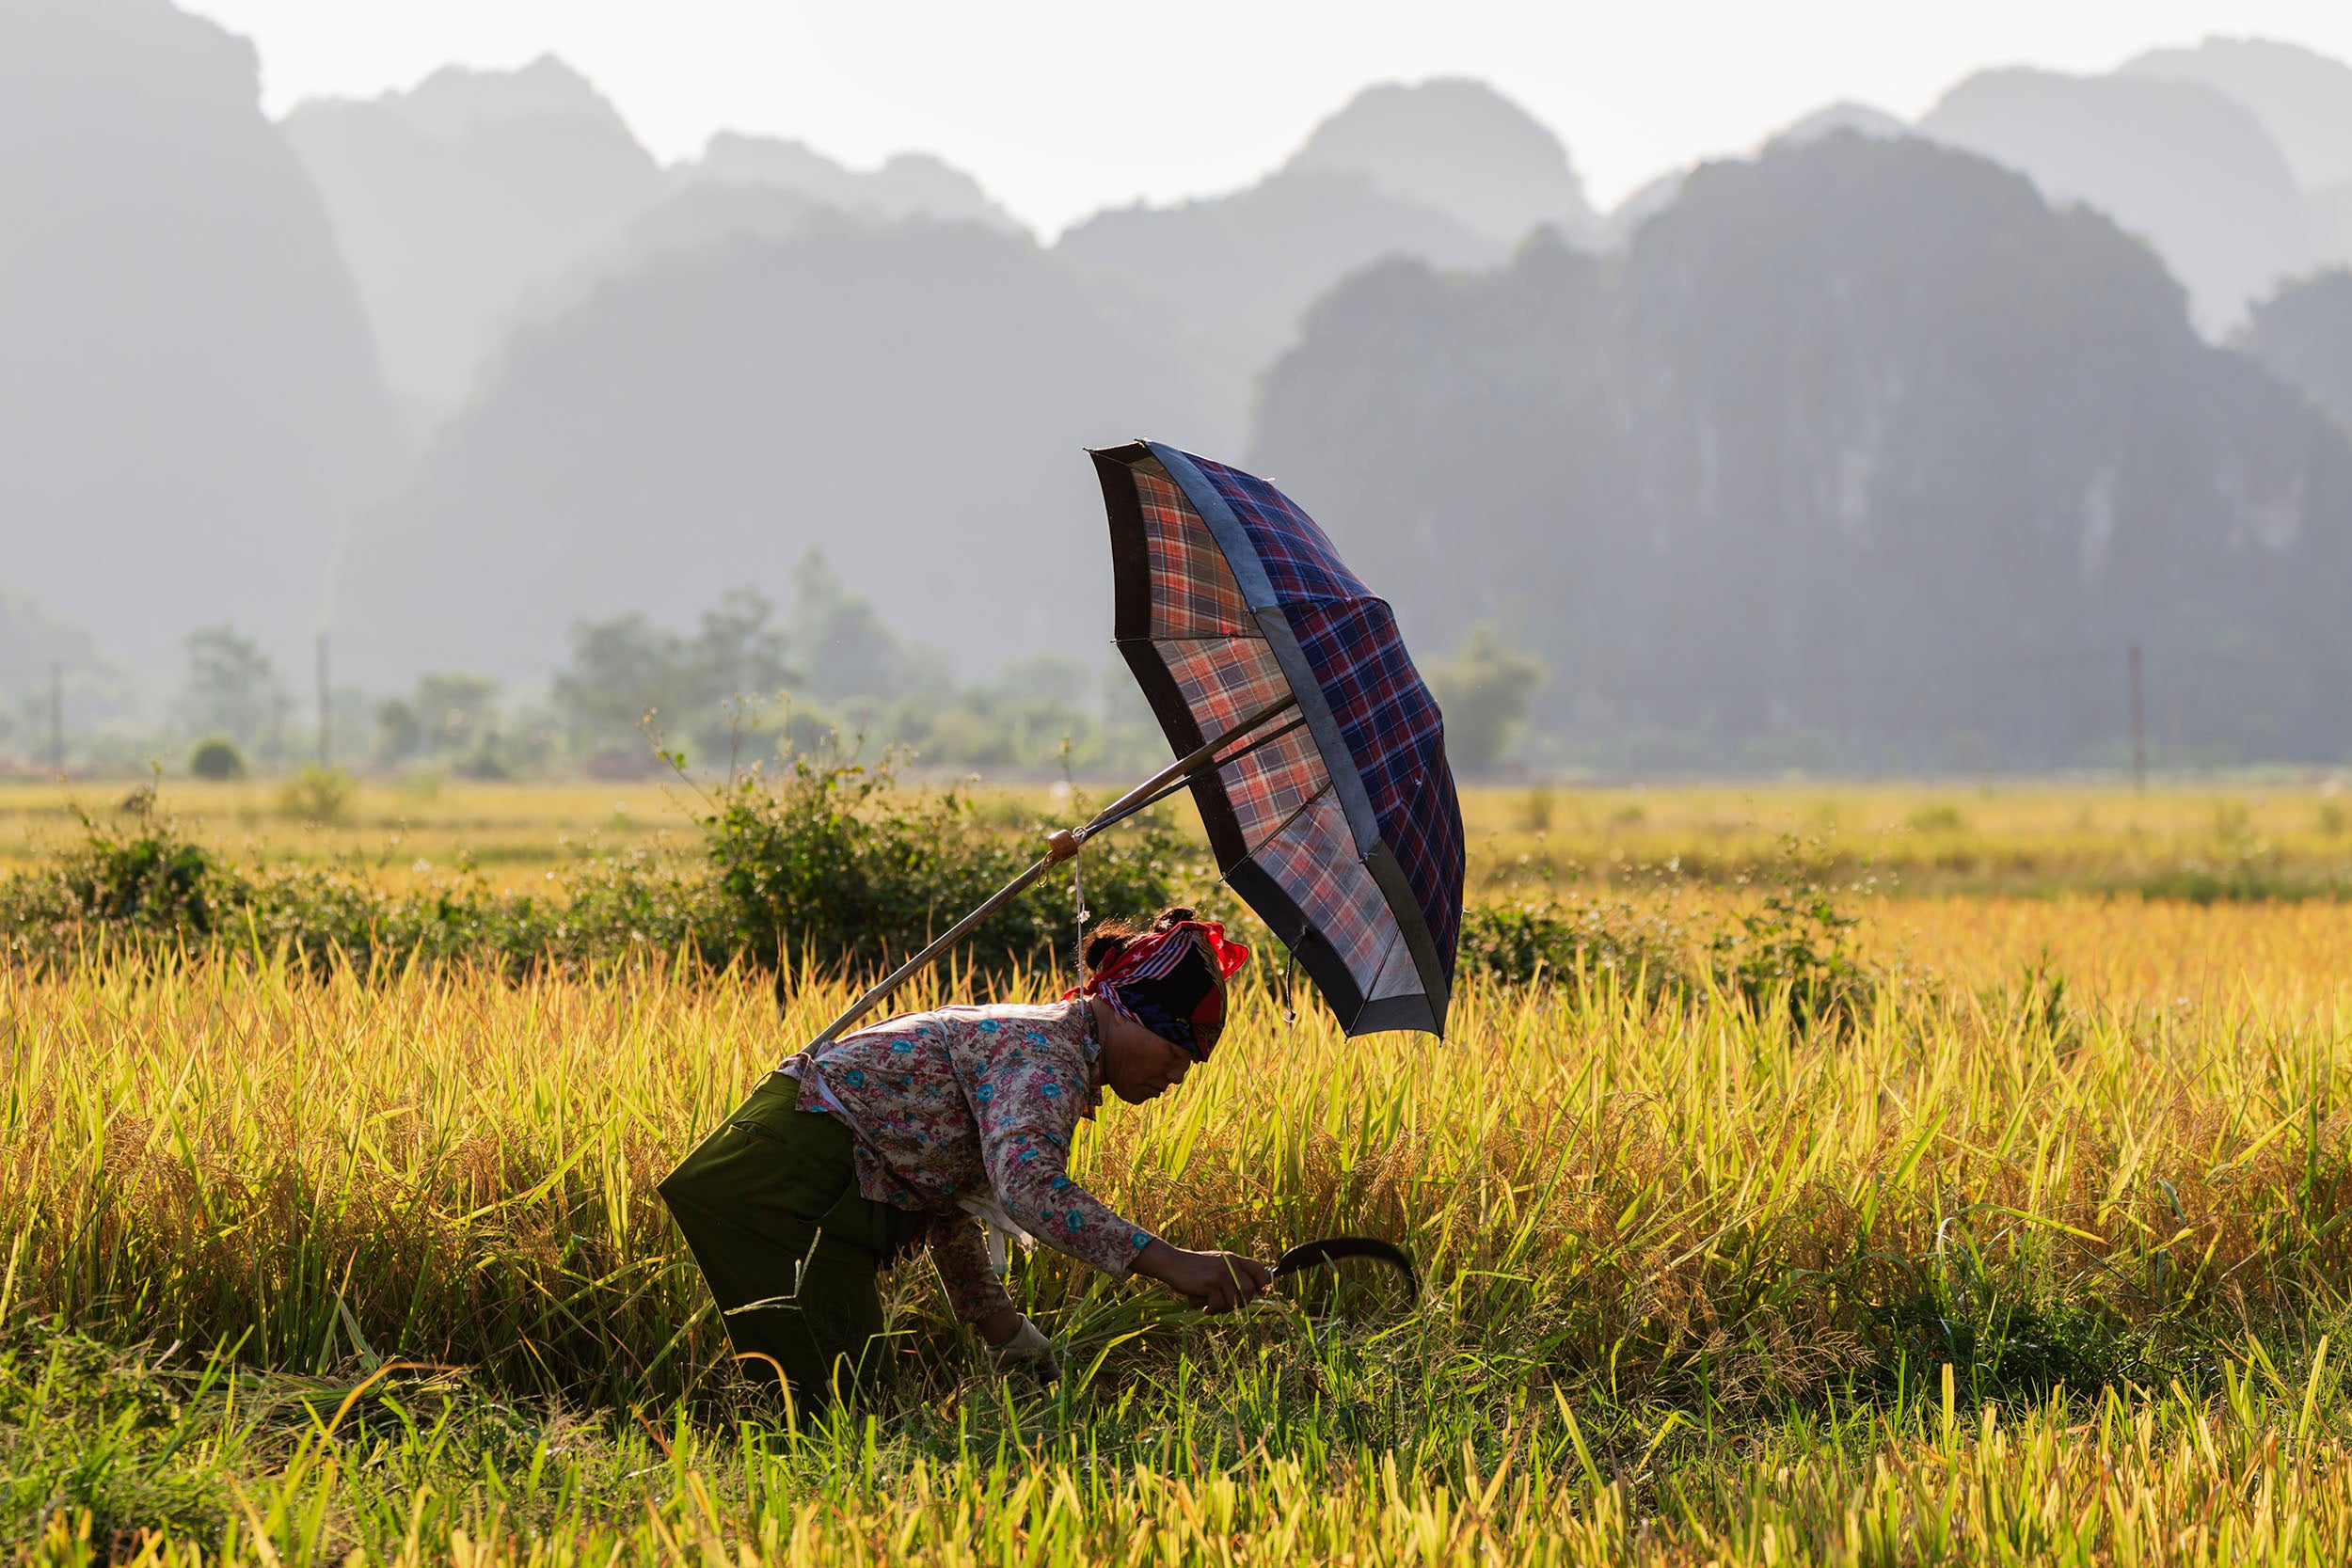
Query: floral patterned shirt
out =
(976, 1102)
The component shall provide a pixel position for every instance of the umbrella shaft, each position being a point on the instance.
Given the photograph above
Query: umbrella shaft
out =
(953, 935)
(1182, 766)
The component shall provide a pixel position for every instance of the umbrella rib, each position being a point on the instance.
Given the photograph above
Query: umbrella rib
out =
(1284, 825)
(1396, 939)
(1236, 635)
(1183, 780)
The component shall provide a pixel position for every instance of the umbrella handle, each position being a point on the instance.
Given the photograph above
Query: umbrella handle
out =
(1059, 845)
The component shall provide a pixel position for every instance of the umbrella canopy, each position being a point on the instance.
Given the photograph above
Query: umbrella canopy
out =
(1333, 814)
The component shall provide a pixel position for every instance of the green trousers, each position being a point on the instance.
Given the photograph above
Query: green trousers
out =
(769, 1205)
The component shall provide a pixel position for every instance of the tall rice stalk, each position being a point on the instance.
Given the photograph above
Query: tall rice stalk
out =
(1693, 1200)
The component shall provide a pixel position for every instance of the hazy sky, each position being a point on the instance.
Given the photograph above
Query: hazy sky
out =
(1060, 107)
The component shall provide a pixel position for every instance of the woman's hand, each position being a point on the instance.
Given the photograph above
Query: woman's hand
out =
(1025, 1349)
(1212, 1281)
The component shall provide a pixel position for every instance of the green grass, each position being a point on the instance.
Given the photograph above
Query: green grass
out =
(1228, 1464)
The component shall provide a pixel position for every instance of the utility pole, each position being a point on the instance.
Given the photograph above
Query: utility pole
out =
(322, 748)
(2139, 724)
(56, 715)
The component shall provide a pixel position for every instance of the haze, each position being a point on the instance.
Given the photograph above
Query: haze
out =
(1060, 107)
(443, 388)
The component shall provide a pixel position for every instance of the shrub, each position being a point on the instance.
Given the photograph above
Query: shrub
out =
(317, 794)
(826, 860)
(1795, 943)
(1792, 949)
(217, 757)
(141, 883)
(1614, 941)
(826, 863)
(1942, 818)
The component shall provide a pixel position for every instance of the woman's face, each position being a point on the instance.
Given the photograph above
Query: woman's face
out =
(1137, 1065)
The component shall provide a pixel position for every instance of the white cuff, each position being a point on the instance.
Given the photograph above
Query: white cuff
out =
(1026, 1348)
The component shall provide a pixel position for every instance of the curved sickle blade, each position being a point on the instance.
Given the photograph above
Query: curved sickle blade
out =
(1331, 1249)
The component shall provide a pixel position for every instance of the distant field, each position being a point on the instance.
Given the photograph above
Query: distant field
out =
(1918, 839)
(510, 833)
(2205, 840)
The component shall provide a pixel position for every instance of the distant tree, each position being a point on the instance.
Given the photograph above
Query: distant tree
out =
(35, 648)
(846, 675)
(449, 714)
(1485, 691)
(621, 670)
(839, 639)
(232, 686)
(741, 649)
(698, 688)
(739, 658)
(456, 710)
(1048, 679)
(399, 733)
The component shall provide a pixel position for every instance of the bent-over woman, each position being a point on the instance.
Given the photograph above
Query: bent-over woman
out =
(852, 1155)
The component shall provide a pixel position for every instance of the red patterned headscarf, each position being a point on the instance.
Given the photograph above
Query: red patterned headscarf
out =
(1172, 982)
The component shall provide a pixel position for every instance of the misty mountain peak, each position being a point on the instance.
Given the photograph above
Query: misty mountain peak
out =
(454, 198)
(2181, 165)
(909, 185)
(1843, 421)
(1460, 148)
(732, 158)
(1845, 114)
(458, 100)
(2303, 98)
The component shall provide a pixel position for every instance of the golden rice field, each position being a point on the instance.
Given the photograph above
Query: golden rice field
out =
(2039, 1256)
(1916, 839)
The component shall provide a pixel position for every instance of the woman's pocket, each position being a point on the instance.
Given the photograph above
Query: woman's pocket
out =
(803, 1158)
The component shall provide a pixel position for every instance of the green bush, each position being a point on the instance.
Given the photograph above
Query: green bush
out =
(1610, 942)
(141, 883)
(317, 794)
(1792, 950)
(1942, 818)
(217, 757)
(826, 863)
(1796, 945)
(826, 860)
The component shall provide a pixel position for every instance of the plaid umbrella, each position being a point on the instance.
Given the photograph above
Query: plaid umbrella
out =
(1333, 811)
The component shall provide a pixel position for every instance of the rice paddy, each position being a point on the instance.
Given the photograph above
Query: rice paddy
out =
(2038, 1257)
